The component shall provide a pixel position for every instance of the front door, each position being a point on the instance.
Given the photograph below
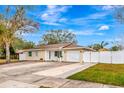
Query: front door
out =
(58, 55)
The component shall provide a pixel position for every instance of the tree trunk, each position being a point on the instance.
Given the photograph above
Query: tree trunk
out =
(7, 52)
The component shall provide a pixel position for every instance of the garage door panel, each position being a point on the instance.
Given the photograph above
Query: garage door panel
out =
(73, 56)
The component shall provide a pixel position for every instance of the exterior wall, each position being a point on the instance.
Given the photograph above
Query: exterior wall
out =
(64, 55)
(22, 56)
(53, 57)
(45, 55)
(25, 56)
(81, 56)
(42, 55)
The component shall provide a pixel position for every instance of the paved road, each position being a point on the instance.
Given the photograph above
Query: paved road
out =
(33, 75)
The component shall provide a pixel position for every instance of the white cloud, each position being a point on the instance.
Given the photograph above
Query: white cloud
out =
(63, 20)
(107, 7)
(110, 7)
(104, 27)
(51, 23)
(53, 14)
(90, 18)
(98, 15)
(86, 32)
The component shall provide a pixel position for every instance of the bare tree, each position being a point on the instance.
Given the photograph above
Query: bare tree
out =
(13, 24)
(58, 36)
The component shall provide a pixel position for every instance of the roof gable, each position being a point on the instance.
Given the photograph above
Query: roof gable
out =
(61, 45)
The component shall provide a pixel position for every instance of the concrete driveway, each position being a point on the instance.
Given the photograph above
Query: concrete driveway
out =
(46, 74)
(17, 69)
(64, 71)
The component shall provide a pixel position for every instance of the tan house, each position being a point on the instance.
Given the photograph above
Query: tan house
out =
(67, 52)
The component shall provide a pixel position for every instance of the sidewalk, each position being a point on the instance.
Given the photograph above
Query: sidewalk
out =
(33, 81)
(66, 83)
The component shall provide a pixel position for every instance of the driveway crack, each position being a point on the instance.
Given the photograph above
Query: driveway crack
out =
(38, 80)
(63, 84)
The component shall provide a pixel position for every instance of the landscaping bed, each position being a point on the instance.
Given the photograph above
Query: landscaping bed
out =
(102, 73)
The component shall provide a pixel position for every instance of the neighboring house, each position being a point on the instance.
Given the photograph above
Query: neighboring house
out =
(67, 52)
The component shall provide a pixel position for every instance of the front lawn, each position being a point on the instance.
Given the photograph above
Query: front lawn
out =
(102, 73)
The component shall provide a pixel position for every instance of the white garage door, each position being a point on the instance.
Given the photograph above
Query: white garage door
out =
(73, 56)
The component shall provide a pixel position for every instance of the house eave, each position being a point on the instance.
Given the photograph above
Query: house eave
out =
(79, 48)
(27, 50)
(55, 49)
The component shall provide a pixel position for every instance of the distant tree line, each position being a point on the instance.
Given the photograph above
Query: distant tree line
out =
(102, 46)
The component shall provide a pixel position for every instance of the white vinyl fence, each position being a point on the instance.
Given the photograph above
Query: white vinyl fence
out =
(115, 57)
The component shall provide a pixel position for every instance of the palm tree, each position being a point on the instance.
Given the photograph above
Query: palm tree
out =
(97, 47)
(116, 45)
(103, 44)
(12, 26)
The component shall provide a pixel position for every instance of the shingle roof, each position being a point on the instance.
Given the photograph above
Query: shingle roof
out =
(61, 45)
(64, 46)
(58, 46)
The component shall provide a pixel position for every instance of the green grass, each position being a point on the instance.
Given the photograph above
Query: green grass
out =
(102, 73)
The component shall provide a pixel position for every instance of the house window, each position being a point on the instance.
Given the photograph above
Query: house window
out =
(29, 53)
(58, 54)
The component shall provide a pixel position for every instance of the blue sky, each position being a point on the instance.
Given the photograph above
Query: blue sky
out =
(90, 23)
